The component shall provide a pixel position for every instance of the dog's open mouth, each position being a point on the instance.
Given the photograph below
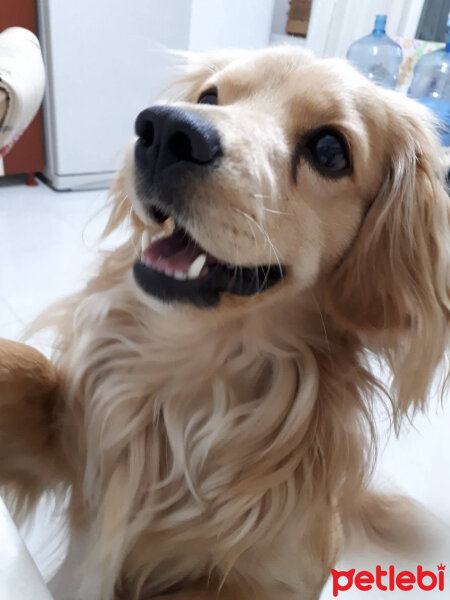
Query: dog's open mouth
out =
(177, 268)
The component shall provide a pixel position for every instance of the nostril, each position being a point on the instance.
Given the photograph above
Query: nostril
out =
(147, 133)
(169, 136)
(180, 146)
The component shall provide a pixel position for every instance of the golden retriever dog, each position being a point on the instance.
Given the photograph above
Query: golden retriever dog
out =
(210, 402)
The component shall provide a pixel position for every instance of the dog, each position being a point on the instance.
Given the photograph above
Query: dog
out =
(210, 401)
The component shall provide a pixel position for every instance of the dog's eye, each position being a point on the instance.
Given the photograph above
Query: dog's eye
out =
(209, 97)
(328, 152)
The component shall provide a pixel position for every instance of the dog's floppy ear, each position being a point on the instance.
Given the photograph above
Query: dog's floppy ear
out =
(394, 282)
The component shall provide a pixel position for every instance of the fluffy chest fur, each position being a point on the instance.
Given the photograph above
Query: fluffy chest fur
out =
(200, 443)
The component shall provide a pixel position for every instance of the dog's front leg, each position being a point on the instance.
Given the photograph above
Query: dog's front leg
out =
(30, 457)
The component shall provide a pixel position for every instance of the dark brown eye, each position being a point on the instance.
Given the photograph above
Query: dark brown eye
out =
(327, 150)
(208, 97)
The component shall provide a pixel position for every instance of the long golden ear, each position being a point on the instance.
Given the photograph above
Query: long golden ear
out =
(393, 286)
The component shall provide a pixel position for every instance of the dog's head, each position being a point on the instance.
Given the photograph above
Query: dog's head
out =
(266, 168)
(274, 169)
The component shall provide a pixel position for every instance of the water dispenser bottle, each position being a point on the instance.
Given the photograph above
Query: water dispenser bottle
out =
(377, 56)
(431, 86)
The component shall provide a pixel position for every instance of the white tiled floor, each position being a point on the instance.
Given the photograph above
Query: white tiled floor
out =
(19, 577)
(46, 248)
(47, 244)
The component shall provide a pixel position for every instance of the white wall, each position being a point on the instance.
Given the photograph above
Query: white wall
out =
(280, 15)
(230, 24)
(335, 24)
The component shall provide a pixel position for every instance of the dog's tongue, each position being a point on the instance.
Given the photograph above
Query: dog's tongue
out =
(174, 253)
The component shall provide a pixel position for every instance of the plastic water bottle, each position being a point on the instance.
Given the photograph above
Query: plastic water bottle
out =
(431, 85)
(377, 56)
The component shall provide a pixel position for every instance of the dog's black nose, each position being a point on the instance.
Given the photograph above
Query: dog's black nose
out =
(171, 136)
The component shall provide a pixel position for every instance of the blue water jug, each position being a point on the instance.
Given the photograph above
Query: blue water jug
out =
(431, 86)
(377, 56)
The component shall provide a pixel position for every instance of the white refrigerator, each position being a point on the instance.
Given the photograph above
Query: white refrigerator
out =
(103, 67)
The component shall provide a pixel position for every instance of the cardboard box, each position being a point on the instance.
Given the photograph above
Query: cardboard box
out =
(298, 19)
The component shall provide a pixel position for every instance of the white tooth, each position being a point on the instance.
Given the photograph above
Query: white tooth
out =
(146, 240)
(196, 267)
(180, 275)
(157, 236)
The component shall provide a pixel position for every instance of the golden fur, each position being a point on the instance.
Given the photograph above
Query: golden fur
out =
(221, 449)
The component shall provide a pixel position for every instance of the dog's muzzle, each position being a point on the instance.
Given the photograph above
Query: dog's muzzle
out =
(173, 146)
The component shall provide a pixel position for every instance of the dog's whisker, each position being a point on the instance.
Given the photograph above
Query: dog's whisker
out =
(93, 216)
(265, 234)
(137, 250)
(266, 197)
(276, 212)
(273, 199)
(251, 228)
(266, 277)
(323, 325)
